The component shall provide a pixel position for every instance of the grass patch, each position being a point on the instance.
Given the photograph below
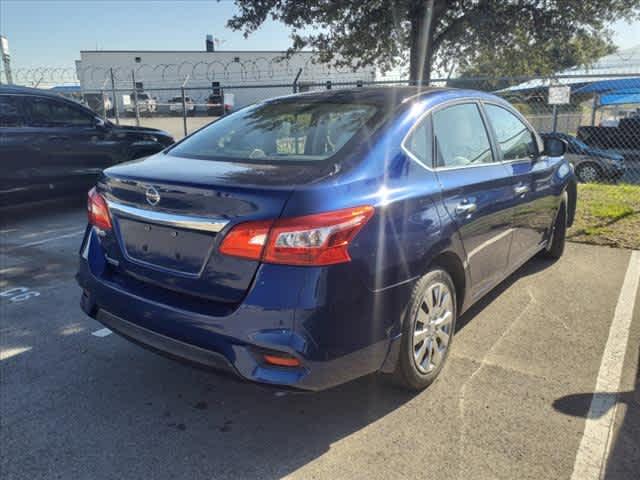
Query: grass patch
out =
(607, 215)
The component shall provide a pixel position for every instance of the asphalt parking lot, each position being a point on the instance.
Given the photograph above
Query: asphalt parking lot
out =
(515, 400)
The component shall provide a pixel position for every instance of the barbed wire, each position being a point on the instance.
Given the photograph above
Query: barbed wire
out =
(255, 70)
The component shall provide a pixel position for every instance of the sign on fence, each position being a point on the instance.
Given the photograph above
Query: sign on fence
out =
(559, 95)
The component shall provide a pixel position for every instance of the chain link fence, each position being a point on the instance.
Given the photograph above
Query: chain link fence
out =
(599, 119)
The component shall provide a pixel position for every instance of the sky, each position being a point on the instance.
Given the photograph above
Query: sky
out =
(51, 33)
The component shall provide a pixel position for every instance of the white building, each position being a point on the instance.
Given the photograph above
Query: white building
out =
(162, 73)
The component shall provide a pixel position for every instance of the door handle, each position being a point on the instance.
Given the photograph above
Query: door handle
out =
(521, 189)
(466, 208)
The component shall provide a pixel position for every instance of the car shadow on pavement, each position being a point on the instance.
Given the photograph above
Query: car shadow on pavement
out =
(533, 266)
(624, 454)
(234, 429)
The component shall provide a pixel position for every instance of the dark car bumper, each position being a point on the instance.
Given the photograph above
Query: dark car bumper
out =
(332, 346)
(614, 171)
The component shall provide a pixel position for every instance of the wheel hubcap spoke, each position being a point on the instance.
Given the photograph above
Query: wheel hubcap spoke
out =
(420, 353)
(437, 354)
(443, 337)
(420, 336)
(444, 320)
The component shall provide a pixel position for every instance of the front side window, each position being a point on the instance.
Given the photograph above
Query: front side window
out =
(514, 138)
(45, 112)
(460, 136)
(11, 114)
(276, 132)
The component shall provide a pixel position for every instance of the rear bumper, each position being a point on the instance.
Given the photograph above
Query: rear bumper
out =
(612, 170)
(164, 345)
(334, 346)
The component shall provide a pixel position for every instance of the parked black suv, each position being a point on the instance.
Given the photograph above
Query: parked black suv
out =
(51, 146)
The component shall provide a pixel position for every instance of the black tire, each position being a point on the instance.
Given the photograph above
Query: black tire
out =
(407, 373)
(555, 247)
(589, 172)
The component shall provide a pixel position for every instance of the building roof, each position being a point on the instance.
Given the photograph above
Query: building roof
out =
(621, 64)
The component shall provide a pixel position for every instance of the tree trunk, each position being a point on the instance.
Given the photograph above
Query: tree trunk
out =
(421, 53)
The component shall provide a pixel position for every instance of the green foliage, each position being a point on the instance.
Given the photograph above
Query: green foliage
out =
(530, 56)
(492, 37)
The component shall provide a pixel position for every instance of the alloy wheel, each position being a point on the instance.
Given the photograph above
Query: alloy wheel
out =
(432, 329)
(589, 173)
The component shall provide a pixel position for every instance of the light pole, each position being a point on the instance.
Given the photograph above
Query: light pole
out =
(6, 58)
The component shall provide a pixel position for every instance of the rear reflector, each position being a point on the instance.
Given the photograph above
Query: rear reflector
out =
(281, 360)
(319, 239)
(97, 210)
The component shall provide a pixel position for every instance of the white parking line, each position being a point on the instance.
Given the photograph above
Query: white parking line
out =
(103, 332)
(594, 447)
(46, 240)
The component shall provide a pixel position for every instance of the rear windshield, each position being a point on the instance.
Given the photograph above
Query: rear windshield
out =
(278, 132)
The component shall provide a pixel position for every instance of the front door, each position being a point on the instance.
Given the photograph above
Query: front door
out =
(477, 191)
(534, 205)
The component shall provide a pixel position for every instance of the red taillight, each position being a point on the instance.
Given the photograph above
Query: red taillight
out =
(97, 211)
(320, 239)
(246, 240)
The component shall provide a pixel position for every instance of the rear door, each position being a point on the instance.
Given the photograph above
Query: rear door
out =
(74, 150)
(477, 190)
(518, 148)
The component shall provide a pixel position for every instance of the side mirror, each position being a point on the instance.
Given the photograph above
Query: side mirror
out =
(100, 124)
(554, 147)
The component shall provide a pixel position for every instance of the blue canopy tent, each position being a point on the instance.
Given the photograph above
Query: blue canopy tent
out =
(619, 98)
(621, 91)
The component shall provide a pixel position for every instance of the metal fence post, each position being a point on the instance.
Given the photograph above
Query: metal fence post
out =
(114, 100)
(104, 108)
(184, 110)
(135, 98)
(594, 108)
(555, 119)
(295, 81)
(184, 105)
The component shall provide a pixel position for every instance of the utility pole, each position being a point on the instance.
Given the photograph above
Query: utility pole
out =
(184, 105)
(115, 99)
(6, 58)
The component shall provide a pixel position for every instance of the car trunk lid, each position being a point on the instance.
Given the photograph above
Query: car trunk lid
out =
(169, 215)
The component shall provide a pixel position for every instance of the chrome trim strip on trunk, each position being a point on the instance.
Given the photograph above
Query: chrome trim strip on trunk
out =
(188, 222)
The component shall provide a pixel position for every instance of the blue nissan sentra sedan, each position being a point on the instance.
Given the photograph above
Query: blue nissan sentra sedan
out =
(315, 238)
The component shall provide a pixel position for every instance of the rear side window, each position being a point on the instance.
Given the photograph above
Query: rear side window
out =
(275, 132)
(514, 138)
(45, 112)
(419, 143)
(11, 114)
(461, 137)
